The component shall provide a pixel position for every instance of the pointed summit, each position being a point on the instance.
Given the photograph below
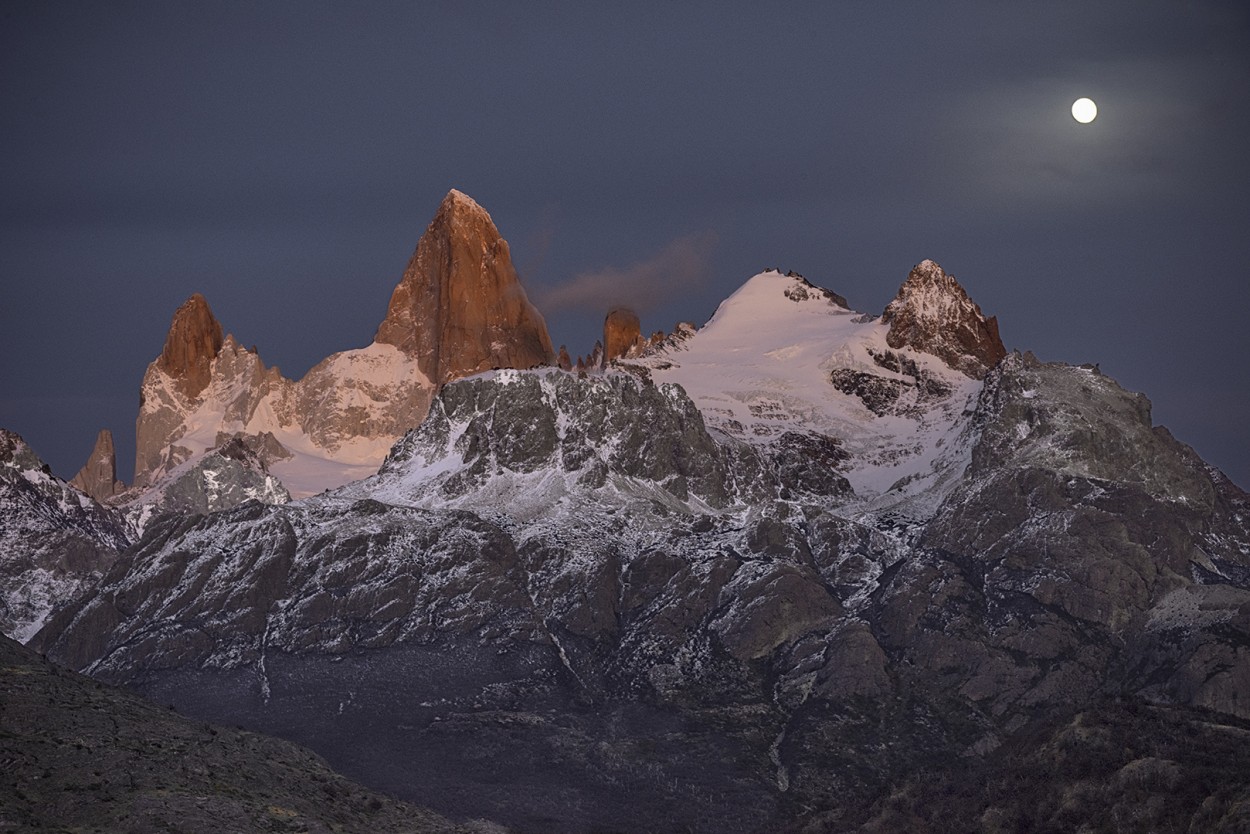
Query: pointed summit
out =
(933, 314)
(460, 307)
(458, 198)
(194, 340)
(98, 477)
(16, 454)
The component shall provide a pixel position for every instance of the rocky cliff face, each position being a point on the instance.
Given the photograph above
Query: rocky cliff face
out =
(98, 477)
(546, 439)
(933, 314)
(460, 308)
(1079, 521)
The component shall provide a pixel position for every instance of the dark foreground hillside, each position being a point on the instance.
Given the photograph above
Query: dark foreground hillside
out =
(1116, 767)
(77, 755)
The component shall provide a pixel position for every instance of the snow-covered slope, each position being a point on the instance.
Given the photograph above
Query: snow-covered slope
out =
(784, 394)
(333, 426)
(55, 541)
(557, 455)
(781, 355)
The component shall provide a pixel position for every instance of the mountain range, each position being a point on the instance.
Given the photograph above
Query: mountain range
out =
(799, 568)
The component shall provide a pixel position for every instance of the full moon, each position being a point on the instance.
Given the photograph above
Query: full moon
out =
(1084, 110)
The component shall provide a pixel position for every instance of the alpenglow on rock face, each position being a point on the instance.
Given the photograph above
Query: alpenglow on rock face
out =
(460, 308)
(933, 314)
(332, 426)
(177, 377)
(193, 341)
(622, 332)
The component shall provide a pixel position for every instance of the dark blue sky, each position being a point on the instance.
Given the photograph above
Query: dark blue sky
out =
(283, 159)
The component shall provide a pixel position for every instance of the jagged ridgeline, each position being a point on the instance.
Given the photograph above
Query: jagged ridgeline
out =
(458, 310)
(797, 569)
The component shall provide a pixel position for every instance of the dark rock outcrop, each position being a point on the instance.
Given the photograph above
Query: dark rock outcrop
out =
(908, 393)
(229, 475)
(933, 314)
(460, 308)
(603, 426)
(265, 445)
(802, 290)
(594, 361)
(98, 477)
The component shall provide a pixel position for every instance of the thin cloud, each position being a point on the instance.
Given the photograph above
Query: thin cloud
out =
(679, 267)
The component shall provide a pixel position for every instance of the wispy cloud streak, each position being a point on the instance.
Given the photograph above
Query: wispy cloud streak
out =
(645, 285)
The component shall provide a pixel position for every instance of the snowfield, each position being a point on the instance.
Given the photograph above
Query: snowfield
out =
(761, 366)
